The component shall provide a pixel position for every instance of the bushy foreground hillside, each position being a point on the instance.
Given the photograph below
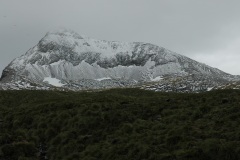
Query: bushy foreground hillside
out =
(119, 124)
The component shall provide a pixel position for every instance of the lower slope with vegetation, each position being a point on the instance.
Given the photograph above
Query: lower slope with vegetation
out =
(119, 124)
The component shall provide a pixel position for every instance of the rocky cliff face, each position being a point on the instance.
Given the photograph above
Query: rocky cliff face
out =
(84, 62)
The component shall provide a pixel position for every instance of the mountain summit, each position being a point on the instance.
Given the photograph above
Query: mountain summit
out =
(66, 59)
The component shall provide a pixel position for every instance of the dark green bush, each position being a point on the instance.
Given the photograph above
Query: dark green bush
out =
(119, 124)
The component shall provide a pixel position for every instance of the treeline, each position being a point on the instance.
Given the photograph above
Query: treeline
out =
(119, 124)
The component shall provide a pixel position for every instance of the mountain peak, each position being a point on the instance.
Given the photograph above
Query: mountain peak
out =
(61, 35)
(67, 56)
(63, 32)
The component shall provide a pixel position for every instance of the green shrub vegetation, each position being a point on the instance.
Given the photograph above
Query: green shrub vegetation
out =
(119, 124)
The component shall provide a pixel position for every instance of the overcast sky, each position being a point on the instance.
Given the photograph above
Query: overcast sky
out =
(205, 30)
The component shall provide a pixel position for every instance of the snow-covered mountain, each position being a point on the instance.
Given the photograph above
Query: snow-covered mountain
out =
(68, 60)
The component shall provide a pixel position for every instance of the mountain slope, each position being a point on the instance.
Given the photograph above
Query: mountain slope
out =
(71, 58)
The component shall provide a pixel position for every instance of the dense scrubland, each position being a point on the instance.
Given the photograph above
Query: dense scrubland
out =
(119, 124)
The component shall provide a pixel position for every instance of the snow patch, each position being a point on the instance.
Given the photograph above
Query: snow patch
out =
(209, 89)
(158, 78)
(53, 81)
(58, 62)
(104, 78)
